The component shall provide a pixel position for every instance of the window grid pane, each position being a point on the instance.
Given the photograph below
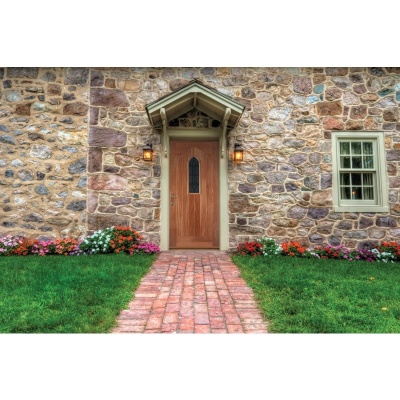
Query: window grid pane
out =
(360, 188)
(357, 156)
(194, 175)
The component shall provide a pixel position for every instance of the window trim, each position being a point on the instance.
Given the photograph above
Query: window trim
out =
(381, 187)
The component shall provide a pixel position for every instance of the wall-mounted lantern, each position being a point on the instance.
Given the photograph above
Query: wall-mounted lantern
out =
(148, 152)
(238, 152)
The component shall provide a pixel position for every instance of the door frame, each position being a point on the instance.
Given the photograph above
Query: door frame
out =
(188, 134)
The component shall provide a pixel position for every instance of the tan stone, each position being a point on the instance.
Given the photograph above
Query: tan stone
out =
(106, 182)
(329, 108)
(287, 223)
(321, 197)
(131, 85)
(331, 123)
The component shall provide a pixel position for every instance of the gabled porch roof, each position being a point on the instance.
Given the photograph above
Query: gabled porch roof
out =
(195, 95)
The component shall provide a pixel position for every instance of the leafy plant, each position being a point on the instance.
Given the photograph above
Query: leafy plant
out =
(124, 239)
(97, 243)
(269, 246)
(390, 247)
(249, 248)
(293, 249)
(147, 248)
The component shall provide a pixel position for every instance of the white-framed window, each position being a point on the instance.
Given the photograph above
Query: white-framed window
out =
(359, 172)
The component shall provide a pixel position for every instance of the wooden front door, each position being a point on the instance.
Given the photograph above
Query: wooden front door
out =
(194, 194)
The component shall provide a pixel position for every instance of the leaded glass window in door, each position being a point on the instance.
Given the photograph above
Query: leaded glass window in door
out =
(194, 175)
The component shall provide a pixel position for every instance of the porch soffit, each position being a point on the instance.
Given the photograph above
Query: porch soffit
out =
(195, 95)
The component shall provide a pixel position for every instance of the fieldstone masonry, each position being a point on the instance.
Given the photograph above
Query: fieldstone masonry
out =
(71, 144)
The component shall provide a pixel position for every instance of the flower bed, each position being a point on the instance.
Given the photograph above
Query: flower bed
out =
(117, 239)
(265, 246)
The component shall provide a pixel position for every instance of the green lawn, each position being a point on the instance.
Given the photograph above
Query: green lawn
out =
(324, 296)
(61, 294)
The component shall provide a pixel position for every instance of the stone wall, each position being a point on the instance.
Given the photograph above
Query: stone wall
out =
(284, 187)
(43, 151)
(53, 120)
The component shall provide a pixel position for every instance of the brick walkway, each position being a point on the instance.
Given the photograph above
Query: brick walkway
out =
(192, 291)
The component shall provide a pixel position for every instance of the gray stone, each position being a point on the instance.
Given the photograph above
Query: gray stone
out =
(96, 78)
(311, 182)
(42, 152)
(248, 93)
(273, 127)
(345, 225)
(24, 72)
(355, 234)
(7, 139)
(17, 163)
(70, 149)
(266, 166)
(277, 188)
(78, 167)
(118, 201)
(25, 175)
(36, 106)
(77, 205)
(45, 229)
(41, 189)
(386, 221)
(326, 181)
(246, 188)
(279, 113)
(297, 212)
(69, 96)
(297, 158)
(4, 128)
(48, 77)
(76, 76)
(376, 71)
(9, 173)
(35, 136)
(33, 217)
(291, 186)
(315, 158)
(393, 155)
(376, 233)
(295, 143)
(311, 119)
(342, 83)
(334, 240)
(13, 95)
(8, 224)
(40, 176)
(82, 182)
(66, 120)
(317, 213)
(251, 178)
(275, 177)
(315, 238)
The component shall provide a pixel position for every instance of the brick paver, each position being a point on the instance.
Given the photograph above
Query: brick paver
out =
(192, 291)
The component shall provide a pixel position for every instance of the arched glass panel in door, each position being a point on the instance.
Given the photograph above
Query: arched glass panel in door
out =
(194, 175)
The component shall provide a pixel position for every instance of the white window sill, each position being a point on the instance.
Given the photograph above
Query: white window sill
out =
(361, 209)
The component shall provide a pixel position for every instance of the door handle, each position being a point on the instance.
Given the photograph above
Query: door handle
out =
(172, 199)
